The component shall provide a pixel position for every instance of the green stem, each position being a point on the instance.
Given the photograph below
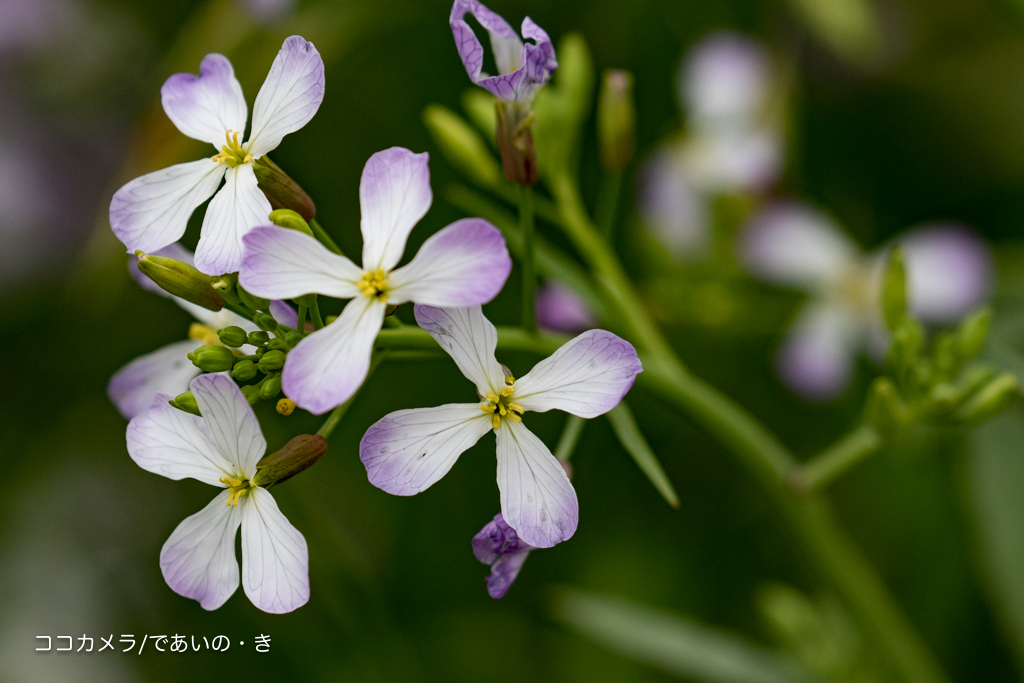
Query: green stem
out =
(570, 436)
(608, 201)
(335, 417)
(323, 237)
(314, 314)
(300, 323)
(836, 460)
(526, 224)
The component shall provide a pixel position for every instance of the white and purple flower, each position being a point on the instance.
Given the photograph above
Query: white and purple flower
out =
(409, 450)
(152, 211)
(498, 546)
(522, 68)
(949, 272)
(222, 449)
(464, 264)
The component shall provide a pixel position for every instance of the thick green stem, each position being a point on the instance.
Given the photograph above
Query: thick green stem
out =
(335, 417)
(836, 460)
(300, 323)
(608, 201)
(323, 237)
(314, 314)
(526, 224)
(570, 437)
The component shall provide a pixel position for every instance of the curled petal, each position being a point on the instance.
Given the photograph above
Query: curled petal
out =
(285, 264)
(498, 545)
(407, 451)
(198, 560)
(394, 194)
(537, 499)
(207, 106)
(464, 264)
(290, 96)
(275, 558)
(238, 208)
(230, 422)
(504, 572)
(152, 211)
(949, 270)
(328, 366)
(470, 339)
(165, 371)
(817, 357)
(587, 376)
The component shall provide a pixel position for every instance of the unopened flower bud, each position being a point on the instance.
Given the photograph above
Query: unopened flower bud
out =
(461, 145)
(990, 400)
(905, 351)
(286, 406)
(212, 358)
(180, 279)
(514, 135)
(253, 302)
(277, 344)
(186, 402)
(265, 321)
(251, 393)
(894, 289)
(330, 319)
(297, 455)
(271, 387)
(286, 218)
(233, 336)
(973, 333)
(616, 119)
(258, 338)
(244, 370)
(281, 190)
(884, 410)
(292, 338)
(272, 360)
(225, 286)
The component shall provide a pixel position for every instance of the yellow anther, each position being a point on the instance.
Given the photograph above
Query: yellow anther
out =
(507, 391)
(499, 406)
(515, 417)
(237, 488)
(495, 421)
(202, 333)
(510, 380)
(501, 410)
(374, 284)
(515, 407)
(232, 153)
(486, 408)
(286, 406)
(491, 396)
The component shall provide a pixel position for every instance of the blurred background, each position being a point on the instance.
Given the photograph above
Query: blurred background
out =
(884, 115)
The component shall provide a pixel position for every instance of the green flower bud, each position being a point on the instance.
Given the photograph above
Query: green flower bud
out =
(462, 145)
(905, 350)
(225, 286)
(277, 344)
(272, 360)
(286, 218)
(233, 336)
(947, 359)
(894, 289)
(258, 338)
(251, 393)
(990, 400)
(180, 279)
(253, 302)
(186, 402)
(292, 338)
(973, 333)
(244, 370)
(261, 351)
(265, 321)
(212, 358)
(616, 119)
(271, 387)
(297, 455)
(884, 410)
(330, 319)
(281, 190)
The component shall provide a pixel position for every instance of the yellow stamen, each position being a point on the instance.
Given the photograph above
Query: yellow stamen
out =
(232, 153)
(237, 487)
(495, 421)
(374, 284)
(491, 396)
(507, 391)
(515, 417)
(516, 408)
(499, 405)
(510, 380)
(201, 333)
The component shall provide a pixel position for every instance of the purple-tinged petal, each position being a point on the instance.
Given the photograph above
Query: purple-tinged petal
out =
(152, 211)
(587, 376)
(165, 371)
(173, 444)
(949, 270)
(284, 314)
(504, 572)
(794, 244)
(198, 560)
(239, 207)
(725, 79)
(230, 422)
(286, 264)
(673, 208)
(498, 545)
(207, 106)
(394, 194)
(407, 451)
(537, 499)
(470, 339)
(275, 558)
(290, 96)
(816, 358)
(744, 160)
(559, 309)
(328, 366)
(464, 264)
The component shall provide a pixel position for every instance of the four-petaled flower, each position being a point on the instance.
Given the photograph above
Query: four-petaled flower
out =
(222, 449)
(464, 264)
(522, 69)
(151, 211)
(499, 546)
(408, 450)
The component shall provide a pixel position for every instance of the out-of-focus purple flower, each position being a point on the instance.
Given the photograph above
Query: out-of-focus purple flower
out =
(725, 80)
(499, 546)
(949, 272)
(522, 68)
(265, 11)
(559, 309)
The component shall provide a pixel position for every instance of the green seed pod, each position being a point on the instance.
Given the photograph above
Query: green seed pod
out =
(244, 370)
(265, 321)
(272, 360)
(253, 302)
(233, 336)
(186, 402)
(180, 279)
(297, 455)
(212, 358)
(616, 119)
(286, 218)
(990, 400)
(277, 344)
(281, 190)
(258, 338)
(462, 145)
(271, 387)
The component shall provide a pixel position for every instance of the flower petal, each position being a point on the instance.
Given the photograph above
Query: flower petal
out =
(198, 560)
(504, 572)
(560, 309)
(816, 358)
(328, 366)
(207, 106)
(285, 264)
(290, 96)
(587, 376)
(407, 451)
(794, 244)
(464, 264)
(238, 208)
(172, 443)
(537, 499)
(507, 47)
(275, 558)
(152, 211)
(284, 314)
(949, 271)
(725, 80)
(230, 422)
(470, 339)
(394, 194)
(673, 208)
(165, 371)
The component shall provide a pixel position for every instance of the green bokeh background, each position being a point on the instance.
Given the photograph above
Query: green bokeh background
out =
(934, 130)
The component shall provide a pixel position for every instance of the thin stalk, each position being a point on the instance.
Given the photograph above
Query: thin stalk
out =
(323, 237)
(835, 460)
(335, 417)
(570, 437)
(527, 227)
(314, 315)
(300, 323)
(608, 201)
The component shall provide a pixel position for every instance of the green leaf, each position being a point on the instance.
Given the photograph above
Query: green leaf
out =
(636, 445)
(672, 642)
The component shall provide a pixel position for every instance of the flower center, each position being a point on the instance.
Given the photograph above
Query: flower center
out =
(201, 333)
(232, 153)
(238, 487)
(858, 290)
(375, 284)
(500, 406)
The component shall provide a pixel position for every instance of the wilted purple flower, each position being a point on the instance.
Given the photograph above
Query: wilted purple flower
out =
(499, 546)
(949, 272)
(559, 309)
(522, 69)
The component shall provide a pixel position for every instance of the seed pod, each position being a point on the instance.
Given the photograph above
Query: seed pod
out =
(281, 190)
(180, 279)
(297, 455)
